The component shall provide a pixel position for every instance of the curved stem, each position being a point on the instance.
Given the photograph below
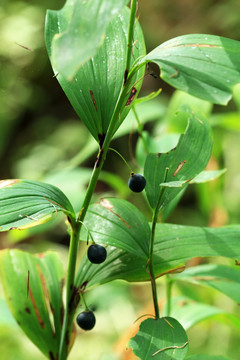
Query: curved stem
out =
(120, 155)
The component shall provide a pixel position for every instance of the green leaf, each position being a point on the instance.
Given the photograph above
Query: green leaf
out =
(127, 247)
(223, 278)
(184, 162)
(175, 244)
(82, 24)
(33, 289)
(118, 223)
(26, 203)
(162, 339)
(96, 86)
(205, 66)
(178, 101)
(207, 357)
(119, 264)
(174, 184)
(190, 313)
(207, 175)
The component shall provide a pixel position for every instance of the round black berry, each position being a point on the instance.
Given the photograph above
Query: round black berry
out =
(136, 182)
(96, 254)
(86, 320)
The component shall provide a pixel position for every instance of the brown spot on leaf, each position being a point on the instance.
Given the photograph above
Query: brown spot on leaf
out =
(179, 167)
(106, 203)
(93, 100)
(83, 286)
(37, 312)
(28, 311)
(131, 96)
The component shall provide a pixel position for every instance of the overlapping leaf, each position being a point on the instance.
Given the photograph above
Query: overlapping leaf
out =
(97, 84)
(33, 289)
(183, 163)
(25, 203)
(127, 246)
(79, 30)
(223, 278)
(118, 223)
(206, 66)
(160, 339)
(189, 313)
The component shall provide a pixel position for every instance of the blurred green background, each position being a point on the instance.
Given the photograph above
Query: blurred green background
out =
(41, 138)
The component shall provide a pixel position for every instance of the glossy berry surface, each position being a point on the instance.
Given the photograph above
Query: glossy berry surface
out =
(86, 320)
(136, 182)
(96, 254)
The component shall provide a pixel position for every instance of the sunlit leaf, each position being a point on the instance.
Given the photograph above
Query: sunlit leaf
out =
(176, 122)
(206, 66)
(207, 175)
(223, 278)
(193, 241)
(96, 86)
(118, 223)
(33, 289)
(76, 27)
(128, 262)
(160, 339)
(181, 164)
(26, 203)
(189, 313)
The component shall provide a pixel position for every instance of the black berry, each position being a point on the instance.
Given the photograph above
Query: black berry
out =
(96, 254)
(86, 320)
(136, 182)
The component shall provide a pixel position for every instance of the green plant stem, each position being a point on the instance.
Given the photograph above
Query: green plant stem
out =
(151, 267)
(120, 155)
(130, 34)
(169, 284)
(140, 128)
(151, 249)
(71, 302)
(73, 250)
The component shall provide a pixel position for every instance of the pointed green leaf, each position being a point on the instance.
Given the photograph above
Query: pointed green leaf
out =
(223, 278)
(174, 245)
(184, 162)
(96, 86)
(207, 175)
(118, 223)
(205, 66)
(25, 203)
(190, 313)
(83, 25)
(160, 339)
(33, 289)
